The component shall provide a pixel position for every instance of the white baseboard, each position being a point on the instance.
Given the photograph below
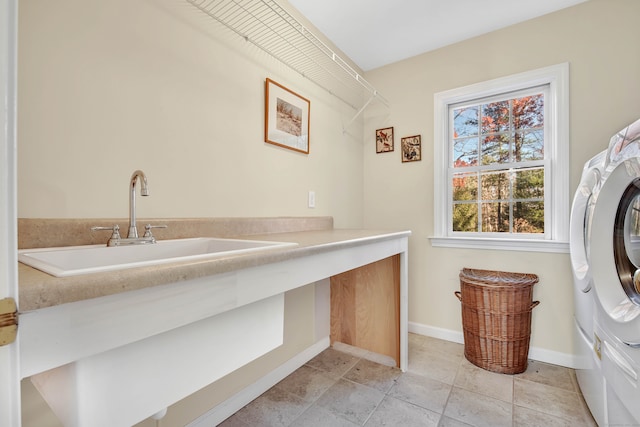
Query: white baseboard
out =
(440, 333)
(535, 353)
(236, 402)
(553, 357)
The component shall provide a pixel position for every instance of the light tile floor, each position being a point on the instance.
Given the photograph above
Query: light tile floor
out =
(440, 388)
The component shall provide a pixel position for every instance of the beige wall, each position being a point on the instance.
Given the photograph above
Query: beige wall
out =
(106, 88)
(600, 39)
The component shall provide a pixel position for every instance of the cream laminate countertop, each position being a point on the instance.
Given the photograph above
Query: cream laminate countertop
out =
(39, 290)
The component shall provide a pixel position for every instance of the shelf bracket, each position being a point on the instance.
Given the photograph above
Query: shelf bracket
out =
(366, 104)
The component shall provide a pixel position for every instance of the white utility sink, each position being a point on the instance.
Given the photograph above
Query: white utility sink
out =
(74, 260)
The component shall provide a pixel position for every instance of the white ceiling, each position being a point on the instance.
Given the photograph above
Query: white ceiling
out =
(373, 33)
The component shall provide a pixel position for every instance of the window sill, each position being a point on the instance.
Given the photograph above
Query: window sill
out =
(552, 246)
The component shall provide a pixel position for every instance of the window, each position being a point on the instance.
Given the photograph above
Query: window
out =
(497, 164)
(501, 163)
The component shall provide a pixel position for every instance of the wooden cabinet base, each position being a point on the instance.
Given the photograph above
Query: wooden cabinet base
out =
(365, 307)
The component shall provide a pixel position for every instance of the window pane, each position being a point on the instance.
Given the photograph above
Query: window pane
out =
(465, 122)
(495, 185)
(465, 152)
(495, 149)
(497, 164)
(528, 112)
(465, 217)
(529, 146)
(495, 217)
(529, 184)
(495, 117)
(465, 186)
(528, 217)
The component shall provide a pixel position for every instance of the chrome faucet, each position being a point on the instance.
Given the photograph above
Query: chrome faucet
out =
(132, 236)
(144, 191)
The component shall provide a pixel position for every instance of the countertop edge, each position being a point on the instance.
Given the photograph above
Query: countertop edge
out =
(40, 290)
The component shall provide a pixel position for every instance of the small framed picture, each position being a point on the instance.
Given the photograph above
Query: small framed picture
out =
(384, 140)
(286, 118)
(411, 148)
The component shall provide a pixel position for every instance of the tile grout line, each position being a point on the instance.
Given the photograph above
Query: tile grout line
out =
(335, 381)
(354, 382)
(444, 407)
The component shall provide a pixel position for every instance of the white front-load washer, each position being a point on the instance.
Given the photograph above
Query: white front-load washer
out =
(614, 262)
(587, 364)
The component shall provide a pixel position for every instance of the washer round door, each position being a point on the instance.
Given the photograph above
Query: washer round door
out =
(615, 248)
(626, 241)
(580, 229)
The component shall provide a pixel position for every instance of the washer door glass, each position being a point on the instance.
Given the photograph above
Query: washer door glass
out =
(626, 241)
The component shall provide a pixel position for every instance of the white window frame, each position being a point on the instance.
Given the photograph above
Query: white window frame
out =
(557, 201)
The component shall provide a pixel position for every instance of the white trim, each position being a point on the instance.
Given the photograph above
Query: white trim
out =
(501, 244)
(236, 402)
(435, 332)
(567, 360)
(9, 355)
(557, 77)
(535, 353)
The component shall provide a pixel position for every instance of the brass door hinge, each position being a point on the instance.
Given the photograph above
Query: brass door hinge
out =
(8, 321)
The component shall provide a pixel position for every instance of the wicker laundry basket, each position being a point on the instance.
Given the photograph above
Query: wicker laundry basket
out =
(496, 318)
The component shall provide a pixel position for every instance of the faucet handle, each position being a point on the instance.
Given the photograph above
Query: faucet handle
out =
(115, 235)
(148, 227)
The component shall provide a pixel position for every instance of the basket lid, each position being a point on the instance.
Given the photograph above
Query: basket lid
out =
(497, 278)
